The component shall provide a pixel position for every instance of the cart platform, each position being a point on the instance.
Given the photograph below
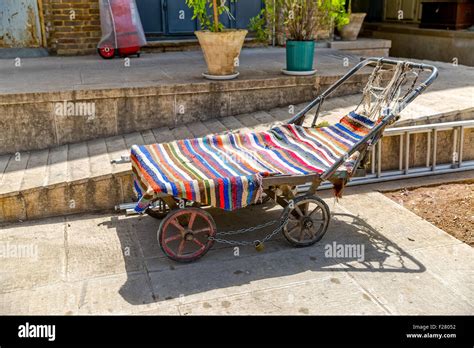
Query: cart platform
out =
(226, 171)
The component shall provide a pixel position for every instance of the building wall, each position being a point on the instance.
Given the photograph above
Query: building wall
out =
(72, 26)
(433, 44)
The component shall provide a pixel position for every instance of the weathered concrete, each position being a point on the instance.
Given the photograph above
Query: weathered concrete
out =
(79, 178)
(366, 47)
(435, 44)
(157, 90)
(107, 264)
(165, 90)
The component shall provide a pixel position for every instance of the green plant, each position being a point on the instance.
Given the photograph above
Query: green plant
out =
(337, 12)
(258, 25)
(208, 11)
(263, 23)
(300, 18)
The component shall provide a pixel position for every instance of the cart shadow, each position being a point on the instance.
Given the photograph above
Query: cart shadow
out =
(222, 268)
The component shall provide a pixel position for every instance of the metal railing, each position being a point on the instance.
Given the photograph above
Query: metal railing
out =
(404, 171)
(431, 167)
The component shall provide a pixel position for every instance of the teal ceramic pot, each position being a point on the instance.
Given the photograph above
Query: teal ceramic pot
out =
(299, 55)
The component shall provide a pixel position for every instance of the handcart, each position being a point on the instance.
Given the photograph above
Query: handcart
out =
(174, 181)
(122, 31)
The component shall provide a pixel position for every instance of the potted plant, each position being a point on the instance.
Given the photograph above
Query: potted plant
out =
(300, 19)
(221, 47)
(348, 24)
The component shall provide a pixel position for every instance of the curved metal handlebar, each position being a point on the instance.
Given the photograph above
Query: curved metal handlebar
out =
(373, 60)
(386, 120)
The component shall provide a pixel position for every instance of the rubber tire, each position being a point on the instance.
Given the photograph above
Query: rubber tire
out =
(327, 214)
(106, 57)
(185, 260)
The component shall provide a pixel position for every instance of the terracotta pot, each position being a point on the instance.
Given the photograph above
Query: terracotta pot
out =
(350, 31)
(221, 49)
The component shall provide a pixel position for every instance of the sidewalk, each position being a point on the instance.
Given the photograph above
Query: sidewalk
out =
(49, 74)
(453, 90)
(109, 264)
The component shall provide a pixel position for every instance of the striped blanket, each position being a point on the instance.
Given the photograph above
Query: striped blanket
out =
(226, 171)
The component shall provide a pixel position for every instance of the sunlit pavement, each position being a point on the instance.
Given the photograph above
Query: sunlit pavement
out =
(112, 264)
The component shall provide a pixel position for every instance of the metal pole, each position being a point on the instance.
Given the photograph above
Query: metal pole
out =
(400, 154)
(428, 148)
(274, 24)
(379, 158)
(407, 152)
(455, 147)
(372, 160)
(435, 149)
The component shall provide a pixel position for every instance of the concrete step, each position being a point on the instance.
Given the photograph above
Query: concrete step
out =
(79, 177)
(57, 101)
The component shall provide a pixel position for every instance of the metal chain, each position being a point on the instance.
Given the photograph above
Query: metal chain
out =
(283, 220)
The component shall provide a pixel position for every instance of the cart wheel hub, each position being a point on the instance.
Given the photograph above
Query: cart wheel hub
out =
(307, 223)
(188, 236)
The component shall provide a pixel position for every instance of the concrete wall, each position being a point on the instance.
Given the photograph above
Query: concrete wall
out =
(30, 121)
(431, 44)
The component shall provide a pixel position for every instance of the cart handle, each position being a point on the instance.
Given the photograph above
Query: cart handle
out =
(375, 133)
(371, 61)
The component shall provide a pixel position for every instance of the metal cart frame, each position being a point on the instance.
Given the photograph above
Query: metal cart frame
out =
(309, 225)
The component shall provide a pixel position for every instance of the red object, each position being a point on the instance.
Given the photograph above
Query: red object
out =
(107, 51)
(125, 37)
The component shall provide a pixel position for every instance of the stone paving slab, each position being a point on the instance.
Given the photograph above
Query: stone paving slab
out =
(49, 74)
(109, 264)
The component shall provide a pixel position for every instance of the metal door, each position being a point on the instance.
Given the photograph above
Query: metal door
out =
(244, 10)
(179, 16)
(173, 17)
(151, 15)
(19, 23)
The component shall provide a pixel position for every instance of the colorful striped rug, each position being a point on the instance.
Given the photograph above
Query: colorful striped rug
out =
(226, 171)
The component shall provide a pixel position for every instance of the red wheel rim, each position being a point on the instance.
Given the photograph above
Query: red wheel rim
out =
(185, 234)
(107, 51)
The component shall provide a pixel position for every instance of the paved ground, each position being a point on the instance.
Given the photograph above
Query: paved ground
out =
(85, 72)
(110, 264)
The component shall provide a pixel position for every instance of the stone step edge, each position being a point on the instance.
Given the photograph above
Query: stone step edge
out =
(68, 198)
(280, 81)
(60, 184)
(449, 116)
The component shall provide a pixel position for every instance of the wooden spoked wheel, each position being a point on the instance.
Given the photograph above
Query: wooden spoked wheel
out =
(184, 234)
(308, 221)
